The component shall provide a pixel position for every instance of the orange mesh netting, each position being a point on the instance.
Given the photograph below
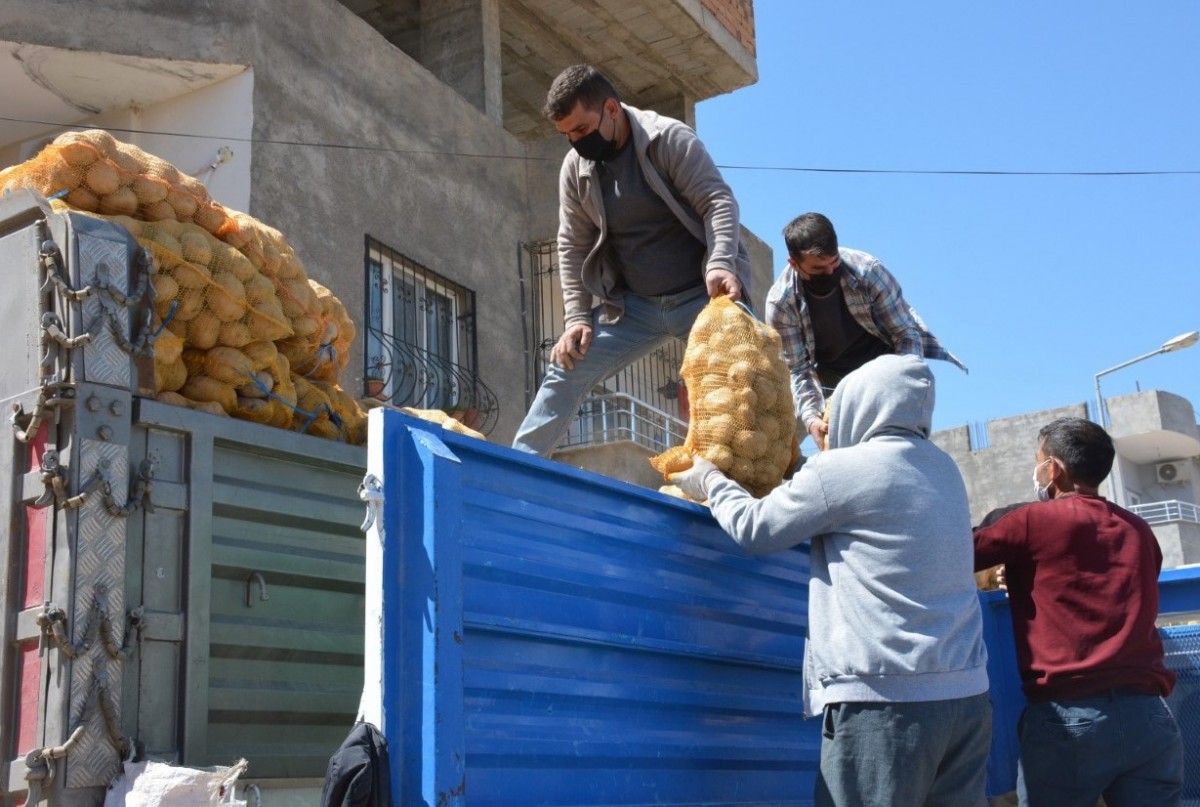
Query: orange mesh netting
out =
(242, 330)
(94, 172)
(742, 419)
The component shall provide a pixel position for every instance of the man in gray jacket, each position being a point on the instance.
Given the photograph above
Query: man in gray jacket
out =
(647, 226)
(895, 658)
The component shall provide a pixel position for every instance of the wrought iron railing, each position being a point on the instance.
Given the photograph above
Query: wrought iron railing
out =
(1168, 511)
(408, 375)
(618, 417)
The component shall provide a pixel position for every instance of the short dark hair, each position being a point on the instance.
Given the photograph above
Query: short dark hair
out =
(1083, 447)
(810, 234)
(580, 83)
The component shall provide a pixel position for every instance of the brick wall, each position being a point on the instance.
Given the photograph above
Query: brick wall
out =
(738, 18)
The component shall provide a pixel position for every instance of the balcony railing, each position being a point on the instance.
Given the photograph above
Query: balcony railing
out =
(1168, 511)
(617, 417)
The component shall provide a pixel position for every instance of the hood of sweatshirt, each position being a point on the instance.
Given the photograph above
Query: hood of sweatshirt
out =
(889, 395)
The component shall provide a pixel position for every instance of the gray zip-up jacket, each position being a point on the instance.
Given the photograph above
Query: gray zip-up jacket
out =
(892, 606)
(679, 169)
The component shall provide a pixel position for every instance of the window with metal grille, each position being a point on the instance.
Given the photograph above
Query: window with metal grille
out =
(421, 340)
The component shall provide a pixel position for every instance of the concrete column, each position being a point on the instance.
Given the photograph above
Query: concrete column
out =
(460, 44)
(680, 107)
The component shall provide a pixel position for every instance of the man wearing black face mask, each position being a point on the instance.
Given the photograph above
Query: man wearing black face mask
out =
(836, 309)
(647, 225)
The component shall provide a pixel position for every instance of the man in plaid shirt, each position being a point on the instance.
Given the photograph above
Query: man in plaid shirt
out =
(836, 309)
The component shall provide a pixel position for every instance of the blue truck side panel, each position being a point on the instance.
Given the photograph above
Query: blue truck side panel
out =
(550, 636)
(547, 636)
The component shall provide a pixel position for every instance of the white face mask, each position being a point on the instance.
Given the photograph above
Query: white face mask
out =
(1040, 491)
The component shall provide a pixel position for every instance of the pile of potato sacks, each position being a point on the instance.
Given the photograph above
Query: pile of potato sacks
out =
(739, 390)
(243, 330)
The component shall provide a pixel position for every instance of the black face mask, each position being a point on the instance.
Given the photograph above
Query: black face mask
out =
(595, 146)
(823, 284)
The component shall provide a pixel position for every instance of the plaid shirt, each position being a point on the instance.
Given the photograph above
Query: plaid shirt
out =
(877, 304)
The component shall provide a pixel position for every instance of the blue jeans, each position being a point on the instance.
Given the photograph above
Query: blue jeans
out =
(1122, 745)
(648, 323)
(919, 754)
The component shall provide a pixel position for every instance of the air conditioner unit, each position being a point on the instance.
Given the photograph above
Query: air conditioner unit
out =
(1167, 472)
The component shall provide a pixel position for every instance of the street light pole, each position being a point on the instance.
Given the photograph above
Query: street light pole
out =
(1177, 343)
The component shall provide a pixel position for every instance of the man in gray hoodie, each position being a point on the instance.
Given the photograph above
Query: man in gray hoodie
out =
(895, 658)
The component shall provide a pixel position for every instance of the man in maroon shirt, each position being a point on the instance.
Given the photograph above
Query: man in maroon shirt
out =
(1082, 578)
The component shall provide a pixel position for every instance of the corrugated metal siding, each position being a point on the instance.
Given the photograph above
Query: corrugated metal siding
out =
(615, 647)
(221, 677)
(284, 674)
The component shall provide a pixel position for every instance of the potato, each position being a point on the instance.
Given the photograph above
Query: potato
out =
(204, 330)
(158, 211)
(769, 427)
(170, 377)
(305, 326)
(718, 401)
(741, 373)
(749, 444)
(83, 199)
(184, 204)
(168, 348)
(235, 334)
(209, 216)
(260, 288)
(765, 390)
(202, 388)
(102, 179)
(172, 398)
(191, 275)
(190, 304)
(149, 190)
(128, 159)
(78, 154)
(261, 355)
(122, 200)
(719, 456)
(718, 430)
(227, 297)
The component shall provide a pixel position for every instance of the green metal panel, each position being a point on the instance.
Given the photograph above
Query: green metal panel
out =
(274, 680)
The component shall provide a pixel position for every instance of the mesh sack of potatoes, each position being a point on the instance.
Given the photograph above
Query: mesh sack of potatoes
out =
(206, 292)
(315, 413)
(94, 172)
(347, 410)
(444, 420)
(250, 383)
(270, 253)
(739, 391)
(336, 338)
(170, 372)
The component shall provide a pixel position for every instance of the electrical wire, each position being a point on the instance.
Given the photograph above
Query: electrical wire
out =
(724, 167)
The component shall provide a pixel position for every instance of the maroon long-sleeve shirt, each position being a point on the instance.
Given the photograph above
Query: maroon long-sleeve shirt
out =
(1082, 579)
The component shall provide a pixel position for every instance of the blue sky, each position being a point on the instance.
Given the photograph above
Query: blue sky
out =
(1036, 282)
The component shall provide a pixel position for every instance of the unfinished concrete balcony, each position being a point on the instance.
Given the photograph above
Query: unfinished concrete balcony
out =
(1154, 426)
(502, 55)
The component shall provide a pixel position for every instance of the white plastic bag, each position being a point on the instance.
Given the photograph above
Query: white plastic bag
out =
(151, 784)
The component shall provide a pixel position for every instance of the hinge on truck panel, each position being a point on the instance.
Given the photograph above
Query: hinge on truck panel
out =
(111, 299)
(102, 479)
(53, 625)
(51, 395)
(39, 766)
(370, 490)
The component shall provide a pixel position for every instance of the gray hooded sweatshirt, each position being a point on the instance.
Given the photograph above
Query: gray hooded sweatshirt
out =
(892, 606)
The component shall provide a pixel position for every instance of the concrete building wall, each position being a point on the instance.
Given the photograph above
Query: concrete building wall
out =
(1147, 427)
(1000, 473)
(351, 137)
